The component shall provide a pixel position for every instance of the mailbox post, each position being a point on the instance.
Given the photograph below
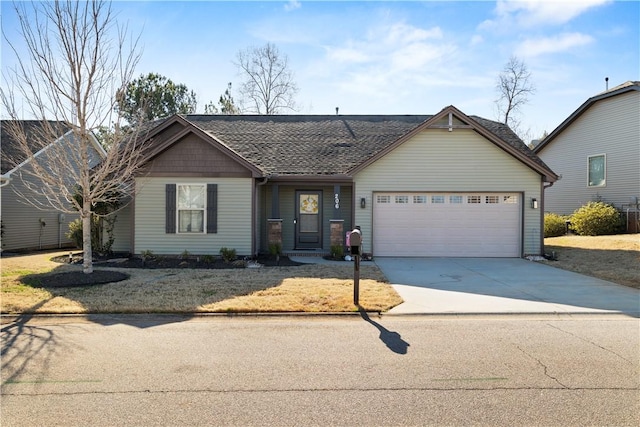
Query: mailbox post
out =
(356, 244)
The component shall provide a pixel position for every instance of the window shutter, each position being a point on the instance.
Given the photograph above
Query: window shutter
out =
(170, 209)
(212, 208)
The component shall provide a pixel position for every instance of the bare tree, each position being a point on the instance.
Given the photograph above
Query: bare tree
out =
(268, 86)
(76, 58)
(514, 86)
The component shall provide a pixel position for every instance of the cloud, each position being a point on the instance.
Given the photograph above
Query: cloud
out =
(531, 13)
(389, 58)
(555, 44)
(292, 5)
(476, 40)
(347, 54)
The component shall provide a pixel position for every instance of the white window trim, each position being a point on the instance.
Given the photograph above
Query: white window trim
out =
(604, 184)
(204, 210)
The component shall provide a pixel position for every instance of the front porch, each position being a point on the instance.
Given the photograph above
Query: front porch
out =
(304, 218)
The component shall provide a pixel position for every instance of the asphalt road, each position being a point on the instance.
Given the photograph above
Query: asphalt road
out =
(293, 371)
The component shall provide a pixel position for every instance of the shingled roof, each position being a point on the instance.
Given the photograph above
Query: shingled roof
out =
(326, 144)
(306, 145)
(11, 155)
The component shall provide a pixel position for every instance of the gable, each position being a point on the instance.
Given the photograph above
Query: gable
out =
(437, 159)
(629, 90)
(451, 120)
(192, 156)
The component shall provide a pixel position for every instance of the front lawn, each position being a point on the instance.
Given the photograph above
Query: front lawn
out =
(307, 288)
(614, 258)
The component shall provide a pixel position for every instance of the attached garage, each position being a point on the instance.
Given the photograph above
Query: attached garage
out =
(447, 224)
(454, 186)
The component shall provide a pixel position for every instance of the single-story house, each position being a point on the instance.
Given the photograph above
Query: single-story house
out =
(597, 152)
(435, 185)
(25, 226)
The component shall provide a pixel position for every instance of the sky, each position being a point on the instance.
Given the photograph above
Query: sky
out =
(393, 57)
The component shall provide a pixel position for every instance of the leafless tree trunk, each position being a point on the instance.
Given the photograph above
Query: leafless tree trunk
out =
(268, 86)
(75, 60)
(514, 87)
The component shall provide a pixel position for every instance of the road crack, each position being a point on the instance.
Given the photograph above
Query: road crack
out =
(593, 344)
(545, 368)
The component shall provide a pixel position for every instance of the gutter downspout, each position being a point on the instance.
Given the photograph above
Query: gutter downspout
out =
(545, 185)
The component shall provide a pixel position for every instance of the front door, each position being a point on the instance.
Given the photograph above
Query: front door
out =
(308, 219)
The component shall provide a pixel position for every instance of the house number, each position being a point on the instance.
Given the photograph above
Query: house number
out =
(336, 198)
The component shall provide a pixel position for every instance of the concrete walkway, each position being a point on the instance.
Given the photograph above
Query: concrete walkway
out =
(500, 285)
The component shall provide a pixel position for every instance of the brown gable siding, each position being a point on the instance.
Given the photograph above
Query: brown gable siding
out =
(191, 156)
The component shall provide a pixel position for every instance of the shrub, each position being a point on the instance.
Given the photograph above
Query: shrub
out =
(208, 259)
(98, 226)
(337, 251)
(228, 255)
(185, 254)
(275, 249)
(595, 219)
(147, 255)
(75, 233)
(554, 225)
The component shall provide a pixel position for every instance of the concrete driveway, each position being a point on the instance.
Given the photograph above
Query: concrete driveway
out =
(500, 285)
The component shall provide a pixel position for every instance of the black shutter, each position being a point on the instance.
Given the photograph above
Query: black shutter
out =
(170, 209)
(212, 208)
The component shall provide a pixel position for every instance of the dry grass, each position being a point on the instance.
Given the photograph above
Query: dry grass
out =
(310, 288)
(613, 258)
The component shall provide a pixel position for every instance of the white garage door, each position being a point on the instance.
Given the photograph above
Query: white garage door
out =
(447, 224)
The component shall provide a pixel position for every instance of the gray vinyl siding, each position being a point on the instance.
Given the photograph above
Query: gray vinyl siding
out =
(122, 230)
(441, 161)
(21, 221)
(234, 218)
(22, 230)
(610, 126)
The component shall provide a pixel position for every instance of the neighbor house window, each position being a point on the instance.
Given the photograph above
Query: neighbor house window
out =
(383, 199)
(597, 170)
(191, 208)
(437, 199)
(402, 199)
(455, 199)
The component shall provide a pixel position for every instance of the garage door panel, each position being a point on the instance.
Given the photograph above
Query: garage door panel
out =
(447, 225)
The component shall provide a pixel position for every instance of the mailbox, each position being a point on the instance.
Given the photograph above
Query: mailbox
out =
(355, 240)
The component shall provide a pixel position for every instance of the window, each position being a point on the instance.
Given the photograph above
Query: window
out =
(455, 199)
(402, 199)
(474, 199)
(419, 199)
(191, 208)
(597, 170)
(383, 199)
(492, 199)
(437, 199)
(510, 199)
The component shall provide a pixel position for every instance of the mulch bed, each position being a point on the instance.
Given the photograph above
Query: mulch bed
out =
(193, 262)
(99, 276)
(75, 279)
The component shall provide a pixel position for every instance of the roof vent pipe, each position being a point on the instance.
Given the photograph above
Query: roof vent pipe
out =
(606, 81)
(337, 109)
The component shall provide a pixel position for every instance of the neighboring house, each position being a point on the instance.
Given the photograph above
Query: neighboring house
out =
(596, 150)
(442, 185)
(25, 227)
